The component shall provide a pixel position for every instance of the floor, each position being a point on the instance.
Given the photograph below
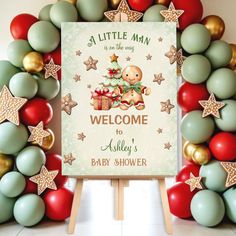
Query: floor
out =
(140, 217)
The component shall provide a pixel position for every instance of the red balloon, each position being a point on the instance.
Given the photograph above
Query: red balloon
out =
(180, 197)
(193, 11)
(184, 173)
(30, 186)
(58, 204)
(56, 56)
(223, 146)
(140, 5)
(53, 162)
(190, 94)
(20, 25)
(36, 110)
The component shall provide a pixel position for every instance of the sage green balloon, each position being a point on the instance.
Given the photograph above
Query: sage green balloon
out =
(63, 12)
(47, 88)
(222, 83)
(24, 85)
(44, 14)
(153, 14)
(43, 36)
(17, 50)
(29, 210)
(12, 184)
(12, 137)
(6, 208)
(229, 198)
(213, 176)
(195, 38)
(196, 69)
(30, 160)
(219, 53)
(92, 10)
(195, 128)
(207, 208)
(227, 122)
(7, 70)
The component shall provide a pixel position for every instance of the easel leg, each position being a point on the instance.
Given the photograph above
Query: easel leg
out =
(165, 206)
(75, 206)
(119, 197)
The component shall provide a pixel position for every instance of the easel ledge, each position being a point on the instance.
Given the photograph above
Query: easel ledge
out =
(119, 183)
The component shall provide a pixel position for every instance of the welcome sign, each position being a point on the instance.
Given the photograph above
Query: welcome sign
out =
(119, 112)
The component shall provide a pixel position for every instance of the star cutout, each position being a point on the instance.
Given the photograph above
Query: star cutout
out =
(166, 106)
(91, 64)
(67, 104)
(194, 182)
(172, 55)
(45, 179)
(77, 78)
(172, 15)
(69, 159)
(230, 168)
(159, 131)
(128, 58)
(123, 13)
(160, 39)
(211, 106)
(158, 78)
(81, 136)
(37, 133)
(51, 69)
(167, 146)
(78, 53)
(149, 57)
(114, 58)
(10, 106)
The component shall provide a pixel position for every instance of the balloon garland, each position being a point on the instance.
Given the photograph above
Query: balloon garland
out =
(30, 179)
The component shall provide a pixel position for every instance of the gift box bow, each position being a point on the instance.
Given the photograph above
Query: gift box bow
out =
(99, 92)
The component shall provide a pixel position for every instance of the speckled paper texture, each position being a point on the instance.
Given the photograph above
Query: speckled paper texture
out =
(146, 146)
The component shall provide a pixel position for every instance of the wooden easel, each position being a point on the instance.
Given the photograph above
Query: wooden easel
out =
(119, 185)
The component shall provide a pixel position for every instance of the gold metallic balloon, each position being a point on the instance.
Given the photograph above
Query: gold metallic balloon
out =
(6, 164)
(215, 25)
(188, 150)
(114, 3)
(232, 64)
(163, 2)
(201, 155)
(48, 141)
(33, 62)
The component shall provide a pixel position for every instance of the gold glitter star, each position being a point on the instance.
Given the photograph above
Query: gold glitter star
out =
(166, 106)
(172, 15)
(76, 78)
(172, 55)
(10, 106)
(180, 60)
(230, 168)
(194, 182)
(51, 69)
(158, 78)
(114, 58)
(78, 53)
(211, 106)
(167, 146)
(91, 64)
(37, 133)
(123, 13)
(160, 39)
(128, 58)
(45, 179)
(159, 131)
(149, 57)
(69, 159)
(67, 104)
(81, 136)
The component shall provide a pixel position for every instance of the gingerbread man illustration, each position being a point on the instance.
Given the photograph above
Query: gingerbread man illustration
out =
(132, 93)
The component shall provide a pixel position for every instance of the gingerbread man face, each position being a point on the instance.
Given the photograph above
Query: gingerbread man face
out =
(132, 74)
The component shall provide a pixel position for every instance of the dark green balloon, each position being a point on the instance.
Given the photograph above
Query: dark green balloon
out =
(6, 208)
(44, 14)
(7, 70)
(17, 50)
(152, 14)
(63, 12)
